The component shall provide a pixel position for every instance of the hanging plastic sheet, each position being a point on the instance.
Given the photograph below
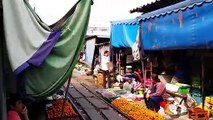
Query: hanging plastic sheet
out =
(123, 33)
(90, 49)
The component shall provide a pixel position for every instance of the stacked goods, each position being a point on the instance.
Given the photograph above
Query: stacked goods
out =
(196, 82)
(198, 114)
(55, 110)
(208, 105)
(136, 111)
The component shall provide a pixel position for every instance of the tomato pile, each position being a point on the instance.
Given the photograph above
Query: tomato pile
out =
(136, 111)
(55, 110)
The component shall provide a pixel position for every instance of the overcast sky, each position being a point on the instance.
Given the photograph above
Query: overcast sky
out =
(103, 11)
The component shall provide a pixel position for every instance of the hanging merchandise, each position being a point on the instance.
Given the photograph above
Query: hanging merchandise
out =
(137, 46)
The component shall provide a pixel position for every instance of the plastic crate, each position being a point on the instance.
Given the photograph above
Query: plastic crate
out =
(198, 114)
(183, 90)
(120, 92)
(110, 99)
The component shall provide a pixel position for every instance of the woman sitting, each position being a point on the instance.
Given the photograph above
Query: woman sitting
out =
(155, 94)
(16, 108)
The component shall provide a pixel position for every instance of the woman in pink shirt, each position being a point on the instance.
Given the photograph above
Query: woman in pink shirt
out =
(155, 94)
(16, 108)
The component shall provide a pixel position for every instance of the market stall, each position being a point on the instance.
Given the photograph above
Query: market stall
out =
(181, 27)
(129, 104)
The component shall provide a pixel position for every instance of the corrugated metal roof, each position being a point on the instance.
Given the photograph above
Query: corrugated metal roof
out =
(154, 5)
(153, 2)
(188, 4)
(174, 8)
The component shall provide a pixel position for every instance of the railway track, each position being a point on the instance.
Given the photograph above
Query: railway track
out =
(90, 105)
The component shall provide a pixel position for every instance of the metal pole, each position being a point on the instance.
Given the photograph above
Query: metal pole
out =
(3, 109)
(116, 59)
(119, 65)
(142, 56)
(203, 80)
(64, 101)
(144, 76)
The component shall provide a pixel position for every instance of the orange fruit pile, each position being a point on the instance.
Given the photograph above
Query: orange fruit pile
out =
(136, 111)
(55, 110)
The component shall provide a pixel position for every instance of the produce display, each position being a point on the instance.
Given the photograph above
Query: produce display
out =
(136, 111)
(54, 111)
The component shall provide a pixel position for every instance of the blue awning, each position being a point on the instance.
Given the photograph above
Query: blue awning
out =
(186, 25)
(123, 33)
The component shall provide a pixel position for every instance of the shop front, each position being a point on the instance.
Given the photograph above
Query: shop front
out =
(175, 43)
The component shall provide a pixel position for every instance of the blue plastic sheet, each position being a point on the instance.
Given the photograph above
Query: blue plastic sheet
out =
(124, 35)
(186, 27)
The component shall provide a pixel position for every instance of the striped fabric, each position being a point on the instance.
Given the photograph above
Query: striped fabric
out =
(138, 86)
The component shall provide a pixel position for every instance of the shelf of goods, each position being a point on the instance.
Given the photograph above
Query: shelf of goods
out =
(136, 111)
(54, 109)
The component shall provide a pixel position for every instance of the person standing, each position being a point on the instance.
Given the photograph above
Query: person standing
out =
(105, 67)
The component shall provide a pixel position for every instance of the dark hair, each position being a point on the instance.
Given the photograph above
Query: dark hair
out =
(13, 98)
(155, 77)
